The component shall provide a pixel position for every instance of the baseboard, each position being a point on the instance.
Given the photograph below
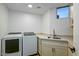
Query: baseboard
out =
(36, 54)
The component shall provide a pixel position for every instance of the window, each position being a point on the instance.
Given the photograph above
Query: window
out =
(63, 12)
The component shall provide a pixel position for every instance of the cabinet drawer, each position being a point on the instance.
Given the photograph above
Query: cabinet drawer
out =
(54, 43)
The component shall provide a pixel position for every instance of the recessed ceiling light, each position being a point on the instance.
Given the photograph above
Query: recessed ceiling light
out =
(38, 7)
(30, 6)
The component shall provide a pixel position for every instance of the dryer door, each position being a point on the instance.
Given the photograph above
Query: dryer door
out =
(11, 47)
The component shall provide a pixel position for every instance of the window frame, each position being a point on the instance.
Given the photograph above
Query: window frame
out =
(63, 7)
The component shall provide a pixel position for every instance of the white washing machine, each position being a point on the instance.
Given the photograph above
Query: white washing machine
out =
(29, 43)
(12, 45)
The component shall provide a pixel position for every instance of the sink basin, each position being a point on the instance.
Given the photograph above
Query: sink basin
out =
(55, 37)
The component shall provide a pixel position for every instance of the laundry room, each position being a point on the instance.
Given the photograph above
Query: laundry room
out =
(36, 29)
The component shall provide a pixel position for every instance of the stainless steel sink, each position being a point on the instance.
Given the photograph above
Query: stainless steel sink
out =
(54, 37)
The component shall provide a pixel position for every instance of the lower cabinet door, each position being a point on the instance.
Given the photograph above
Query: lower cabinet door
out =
(54, 51)
(47, 51)
(61, 51)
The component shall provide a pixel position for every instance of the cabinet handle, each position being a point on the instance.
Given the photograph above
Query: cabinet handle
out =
(53, 51)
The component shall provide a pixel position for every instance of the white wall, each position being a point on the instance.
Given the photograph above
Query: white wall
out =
(61, 26)
(29, 22)
(76, 27)
(46, 22)
(3, 21)
(24, 22)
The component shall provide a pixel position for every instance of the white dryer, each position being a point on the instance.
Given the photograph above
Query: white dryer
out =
(29, 43)
(12, 44)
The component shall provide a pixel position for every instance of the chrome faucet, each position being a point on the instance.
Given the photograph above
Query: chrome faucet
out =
(54, 34)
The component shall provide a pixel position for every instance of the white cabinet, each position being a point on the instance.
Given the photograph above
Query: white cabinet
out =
(61, 51)
(51, 51)
(47, 51)
(53, 48)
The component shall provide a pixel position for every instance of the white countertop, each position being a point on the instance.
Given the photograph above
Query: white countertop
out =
(46, 37)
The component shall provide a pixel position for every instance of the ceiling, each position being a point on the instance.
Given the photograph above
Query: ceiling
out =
(35, 10)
